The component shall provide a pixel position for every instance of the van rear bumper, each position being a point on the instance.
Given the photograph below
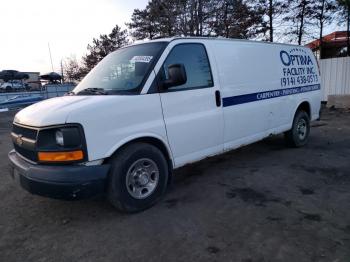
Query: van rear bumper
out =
(60, 182)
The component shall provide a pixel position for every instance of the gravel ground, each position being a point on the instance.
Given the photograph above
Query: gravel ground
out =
(263, 202)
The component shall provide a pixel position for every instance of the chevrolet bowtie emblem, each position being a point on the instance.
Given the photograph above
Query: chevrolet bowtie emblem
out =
(19, 140)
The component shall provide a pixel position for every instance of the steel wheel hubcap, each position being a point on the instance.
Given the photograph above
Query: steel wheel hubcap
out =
(142, 178)
(302, 129)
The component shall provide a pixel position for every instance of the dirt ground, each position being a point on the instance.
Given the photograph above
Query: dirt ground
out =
(260, 203)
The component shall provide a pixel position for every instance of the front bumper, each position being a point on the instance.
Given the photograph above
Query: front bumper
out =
(60, 182)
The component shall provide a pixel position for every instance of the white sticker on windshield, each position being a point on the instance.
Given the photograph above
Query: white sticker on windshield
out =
(141, 59)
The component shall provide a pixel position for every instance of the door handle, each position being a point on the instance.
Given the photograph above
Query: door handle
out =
(218, 98)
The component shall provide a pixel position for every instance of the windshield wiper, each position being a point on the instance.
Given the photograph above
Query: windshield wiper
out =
(92, 91)
(70, 93)
(122, 92)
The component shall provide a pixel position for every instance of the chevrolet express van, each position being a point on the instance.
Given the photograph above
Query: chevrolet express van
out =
(149, 108)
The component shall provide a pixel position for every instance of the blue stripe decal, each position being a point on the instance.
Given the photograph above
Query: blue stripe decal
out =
(242, 99)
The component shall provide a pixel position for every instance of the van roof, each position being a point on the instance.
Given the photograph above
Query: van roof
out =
(170, 39)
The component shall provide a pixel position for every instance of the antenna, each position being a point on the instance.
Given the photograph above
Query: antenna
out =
(48, 44)
(62, 80)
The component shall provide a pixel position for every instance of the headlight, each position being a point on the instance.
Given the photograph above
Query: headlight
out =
(59, 138)
(61, 144)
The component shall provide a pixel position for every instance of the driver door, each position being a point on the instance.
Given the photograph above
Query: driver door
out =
(192, 112)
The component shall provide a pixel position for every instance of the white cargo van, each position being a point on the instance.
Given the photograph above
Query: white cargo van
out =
(149, 108)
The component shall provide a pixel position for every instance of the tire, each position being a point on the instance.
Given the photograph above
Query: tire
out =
(299, 134)
(138, 177)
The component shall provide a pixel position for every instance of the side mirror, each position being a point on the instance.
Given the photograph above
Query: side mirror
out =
(177, 76)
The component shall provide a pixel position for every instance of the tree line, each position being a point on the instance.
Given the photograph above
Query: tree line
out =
(291, 21)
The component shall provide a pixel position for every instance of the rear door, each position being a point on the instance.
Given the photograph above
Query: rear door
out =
(243, 76)
(192, 112)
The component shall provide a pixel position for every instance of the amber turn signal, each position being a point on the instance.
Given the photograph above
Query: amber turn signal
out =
(61, 156)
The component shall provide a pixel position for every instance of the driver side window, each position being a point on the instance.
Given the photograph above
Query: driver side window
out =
(194, 58)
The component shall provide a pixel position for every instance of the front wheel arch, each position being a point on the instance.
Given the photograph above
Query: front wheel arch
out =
(152, 141)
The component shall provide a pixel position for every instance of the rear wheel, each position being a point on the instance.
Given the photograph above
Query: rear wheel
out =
(299, 134)
(138, 177)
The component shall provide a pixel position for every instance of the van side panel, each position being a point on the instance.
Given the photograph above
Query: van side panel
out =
(262, 86)
(243, 71)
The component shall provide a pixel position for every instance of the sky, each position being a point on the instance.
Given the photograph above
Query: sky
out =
(27, 26)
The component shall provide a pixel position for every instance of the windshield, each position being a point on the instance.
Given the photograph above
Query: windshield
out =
(123, 71)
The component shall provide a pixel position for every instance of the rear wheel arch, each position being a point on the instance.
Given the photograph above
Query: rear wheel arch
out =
(298, 135)
(304, 106)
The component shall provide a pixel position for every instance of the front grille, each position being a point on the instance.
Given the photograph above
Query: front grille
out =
(25, 131)
(25, 146)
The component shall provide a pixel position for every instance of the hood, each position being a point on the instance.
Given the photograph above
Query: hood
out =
(55, 111)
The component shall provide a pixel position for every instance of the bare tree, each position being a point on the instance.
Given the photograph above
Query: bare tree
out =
(72, 69)
(323, 14)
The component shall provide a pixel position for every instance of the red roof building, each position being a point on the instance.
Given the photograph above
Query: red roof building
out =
(334, 45)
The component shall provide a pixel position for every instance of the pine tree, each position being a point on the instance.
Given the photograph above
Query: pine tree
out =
(237, 19)
(143, 24)
(271, 10)
(104, 45)
(166, 18)
(300, 17)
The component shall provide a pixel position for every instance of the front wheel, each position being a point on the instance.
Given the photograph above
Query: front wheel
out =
(299, 134)
(138, 177)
